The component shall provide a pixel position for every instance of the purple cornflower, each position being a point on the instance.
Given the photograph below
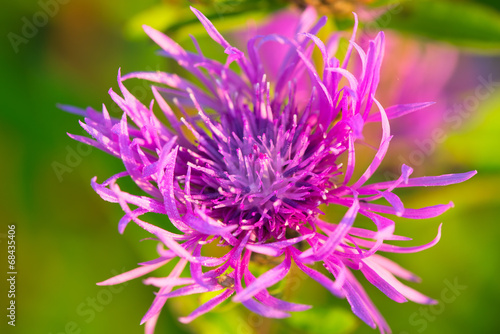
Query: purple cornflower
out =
(245, 162)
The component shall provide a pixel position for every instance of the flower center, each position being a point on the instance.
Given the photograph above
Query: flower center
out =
(265, 175)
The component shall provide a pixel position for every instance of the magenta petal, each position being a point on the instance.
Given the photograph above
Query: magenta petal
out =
(387, 288)
(395, 268)
(395, 285)
(264, 310)
(209, 305)
(101, 144)
(207, 225)
(320, 278)
(266, 250)
(264, 297)
(334, 239)
(175, 247)
(196, 270)
(442, 180)
(277, 248)
(358, 305)
(353, 36)
(150, 325)
(399, 110)
(384, 145)
(134, 273)
(166, 182)
(164, 41)
(251, 304)
(122, 200)
(216, 36)
(362, 306)
(398, 249)
(422, 213)
(427, 181)
(163, 281)
(265, 280)
(395, 201)
(160, 300)
(351, 162)
(122, 224)
(191, 289)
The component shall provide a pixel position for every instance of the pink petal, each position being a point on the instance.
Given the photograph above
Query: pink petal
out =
(209, 305)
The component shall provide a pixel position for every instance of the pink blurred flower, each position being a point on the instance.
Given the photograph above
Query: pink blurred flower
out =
(422, 71)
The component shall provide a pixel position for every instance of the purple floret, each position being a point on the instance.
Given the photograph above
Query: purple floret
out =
(245, 162)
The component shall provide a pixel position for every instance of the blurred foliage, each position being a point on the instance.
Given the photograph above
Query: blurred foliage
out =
(171, 17)
(469, 24)
(67, 236)
(465, 24)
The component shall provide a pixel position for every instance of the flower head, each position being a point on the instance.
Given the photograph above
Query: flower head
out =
(245, 162)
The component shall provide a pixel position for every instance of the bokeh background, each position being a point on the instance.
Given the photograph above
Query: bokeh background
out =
(67, 238)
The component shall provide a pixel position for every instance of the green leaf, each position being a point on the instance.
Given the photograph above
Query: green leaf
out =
(464, 24)
(160, 17)
(170, 17)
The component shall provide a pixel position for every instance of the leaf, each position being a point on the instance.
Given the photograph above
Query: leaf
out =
(464, 24)
(225, 13)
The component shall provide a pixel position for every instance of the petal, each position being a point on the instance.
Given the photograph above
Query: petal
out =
(149, 327)
(160, 300)
(399, 110)
(422, 213)
(381, 283)
(384, 145)
(386, 278)
(191, 289)
(166, 184)
(334, 238)
(134, 273)
(266, 280)
(264, 297)
(320, 278)
(362, 306)
(209, 27)
(426, 181)
(209, 305)
(395, 268)
(276, 248)
(395, 201)
(207, 225)
(251, 304)
(263, 310)
(398, 249)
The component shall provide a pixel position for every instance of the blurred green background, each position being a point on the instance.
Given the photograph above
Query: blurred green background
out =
(67, 237)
